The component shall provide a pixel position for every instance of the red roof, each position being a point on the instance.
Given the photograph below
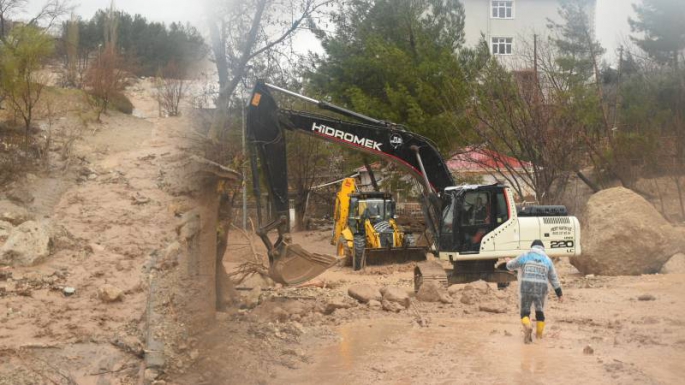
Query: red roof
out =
(473, 159)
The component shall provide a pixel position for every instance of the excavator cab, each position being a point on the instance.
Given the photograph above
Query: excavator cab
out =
(471, 212)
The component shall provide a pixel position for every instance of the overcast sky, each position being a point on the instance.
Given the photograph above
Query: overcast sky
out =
(612, 16)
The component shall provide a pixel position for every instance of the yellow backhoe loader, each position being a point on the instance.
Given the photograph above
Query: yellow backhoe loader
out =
(365, 230)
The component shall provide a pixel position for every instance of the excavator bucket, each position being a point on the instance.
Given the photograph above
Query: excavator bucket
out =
(384, 256)
(295, 265)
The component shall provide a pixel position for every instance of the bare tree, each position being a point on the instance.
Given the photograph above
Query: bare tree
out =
(46, 17)
(532, 115)
(241, 31)
(9, 8)
(106, 76)
(171, 87)
(71, 43)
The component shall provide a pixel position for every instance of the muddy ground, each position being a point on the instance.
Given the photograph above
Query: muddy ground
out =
(118, 214)
(602, 333)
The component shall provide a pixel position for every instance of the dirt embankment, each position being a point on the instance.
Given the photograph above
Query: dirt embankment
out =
(113, 217)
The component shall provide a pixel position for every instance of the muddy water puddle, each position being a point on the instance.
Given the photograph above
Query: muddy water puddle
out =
(392, 351)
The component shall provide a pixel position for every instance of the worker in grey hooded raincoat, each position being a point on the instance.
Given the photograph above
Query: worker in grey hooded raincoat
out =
(535, 270)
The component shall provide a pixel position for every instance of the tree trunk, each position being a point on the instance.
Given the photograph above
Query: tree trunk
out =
(225, 291)
(300, 210)
(676, 179)
(592, 185)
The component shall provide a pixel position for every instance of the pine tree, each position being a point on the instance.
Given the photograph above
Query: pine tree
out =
(396, 60)
(661, 24)
(579, 51)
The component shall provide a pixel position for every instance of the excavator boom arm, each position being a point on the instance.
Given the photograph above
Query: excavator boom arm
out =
(266, 122)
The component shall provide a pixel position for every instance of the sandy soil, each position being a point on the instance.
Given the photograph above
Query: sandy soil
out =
(112, 214)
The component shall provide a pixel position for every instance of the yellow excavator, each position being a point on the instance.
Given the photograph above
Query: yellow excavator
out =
(366, 231)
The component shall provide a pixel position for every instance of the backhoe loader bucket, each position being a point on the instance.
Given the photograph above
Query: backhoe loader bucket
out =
(385, 256)
(294, 265)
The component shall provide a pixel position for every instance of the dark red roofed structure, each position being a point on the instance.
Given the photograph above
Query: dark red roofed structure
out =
(480, 160)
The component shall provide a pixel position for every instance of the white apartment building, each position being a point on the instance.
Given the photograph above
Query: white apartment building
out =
(508, 24)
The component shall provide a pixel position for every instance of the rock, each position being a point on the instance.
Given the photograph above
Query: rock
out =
(252, 298)
(397, 295)
(675, 265)
(295, 308)
(150, 375)
(335, 304)
(5, 229)
(170, 257)
(27, 244)
(646, 297)
(16, 215)
(20, 194)
(492, 309)
(623, 234)
(479, 286)
(110, 293)
(189, 225)
(194, 355)
(95, 248)
(588, 350)
(453, 290)
(432, 291)
(68, 291)
(129, 344)
(364, 293)
(257, 280)
(376, 305)
(392, 306)
(469, 297)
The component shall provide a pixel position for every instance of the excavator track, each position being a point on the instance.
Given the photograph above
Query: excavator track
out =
(429, 271)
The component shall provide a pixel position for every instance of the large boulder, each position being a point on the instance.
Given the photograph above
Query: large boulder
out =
(623, 234)
(364, 293)
(27, 245)
(16, 215)
(397, 295)
(431, 291)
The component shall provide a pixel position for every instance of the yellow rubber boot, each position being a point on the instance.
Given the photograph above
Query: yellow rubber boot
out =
(539, 328)
(527, 330)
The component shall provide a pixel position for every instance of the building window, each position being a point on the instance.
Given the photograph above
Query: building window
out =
(501, 45)
(502, 9)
